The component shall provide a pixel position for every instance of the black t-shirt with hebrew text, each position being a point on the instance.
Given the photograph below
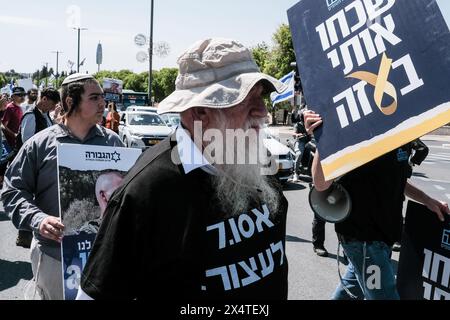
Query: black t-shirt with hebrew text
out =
(164, 236)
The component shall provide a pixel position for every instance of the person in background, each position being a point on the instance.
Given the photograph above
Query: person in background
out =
(32, 96)
(285, 116)
(33, 121)
(13, 115)
(377, 191)
(30, 193)
(113, 118)
(3, 103)
(38, 118)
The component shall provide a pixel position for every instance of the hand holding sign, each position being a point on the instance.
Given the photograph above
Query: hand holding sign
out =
(439, 207)
(312, 120)
(52, 228)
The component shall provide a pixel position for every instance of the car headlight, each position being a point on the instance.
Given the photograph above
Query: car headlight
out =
(138, 135)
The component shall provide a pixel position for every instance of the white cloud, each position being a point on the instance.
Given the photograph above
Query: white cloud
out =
(27, 22)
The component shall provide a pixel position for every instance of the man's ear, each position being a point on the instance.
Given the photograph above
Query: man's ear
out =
(69, 102)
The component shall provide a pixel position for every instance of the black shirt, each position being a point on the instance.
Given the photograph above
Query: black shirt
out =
(164, 235)
(377, 193)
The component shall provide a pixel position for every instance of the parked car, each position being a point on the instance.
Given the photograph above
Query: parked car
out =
(284, 157)
(142, 108)
(142, 129)
(171, 119)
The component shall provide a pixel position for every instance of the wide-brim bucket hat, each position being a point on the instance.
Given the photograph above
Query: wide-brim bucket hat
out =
(216, 73)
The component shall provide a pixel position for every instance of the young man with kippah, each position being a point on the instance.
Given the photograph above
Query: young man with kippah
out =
(30, 193)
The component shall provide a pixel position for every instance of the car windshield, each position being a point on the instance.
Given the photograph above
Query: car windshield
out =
(144, 119)
(174, 119)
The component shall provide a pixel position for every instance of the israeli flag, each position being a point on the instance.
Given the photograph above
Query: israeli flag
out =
(287, 94)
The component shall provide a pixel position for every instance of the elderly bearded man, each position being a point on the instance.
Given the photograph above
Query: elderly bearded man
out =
(197, 229)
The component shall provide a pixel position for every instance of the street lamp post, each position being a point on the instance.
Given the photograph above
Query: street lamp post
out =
(150, 56)
(46, 74)
(57, 65)
(78, 59)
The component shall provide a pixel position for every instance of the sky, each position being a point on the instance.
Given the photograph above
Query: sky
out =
(33, 30)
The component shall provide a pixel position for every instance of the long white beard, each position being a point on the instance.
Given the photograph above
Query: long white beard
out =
(239, 185)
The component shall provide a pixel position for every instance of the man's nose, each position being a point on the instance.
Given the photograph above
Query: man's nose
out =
(102, 101)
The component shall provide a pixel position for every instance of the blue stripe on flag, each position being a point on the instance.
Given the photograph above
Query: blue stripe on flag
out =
(284, 96)
(287, 77)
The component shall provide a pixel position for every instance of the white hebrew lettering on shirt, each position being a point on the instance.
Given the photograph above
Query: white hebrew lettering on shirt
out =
(251, 270)
(243, 228)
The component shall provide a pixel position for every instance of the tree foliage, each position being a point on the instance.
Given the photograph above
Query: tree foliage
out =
(163, 81)
(276, 61)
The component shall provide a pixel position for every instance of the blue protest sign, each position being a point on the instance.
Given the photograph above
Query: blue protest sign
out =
(377, 71)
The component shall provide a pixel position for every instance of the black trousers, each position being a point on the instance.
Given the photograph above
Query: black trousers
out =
(318, 232)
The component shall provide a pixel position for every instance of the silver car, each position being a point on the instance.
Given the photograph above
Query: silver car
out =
(142, 129)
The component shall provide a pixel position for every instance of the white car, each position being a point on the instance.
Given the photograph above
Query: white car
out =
(284, 157)
(142, 129)
(141, 108)
(171, 119)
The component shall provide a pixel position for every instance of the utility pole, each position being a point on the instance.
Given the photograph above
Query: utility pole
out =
(57, 65)
(150, 57)
(78, 59)
(46, 74)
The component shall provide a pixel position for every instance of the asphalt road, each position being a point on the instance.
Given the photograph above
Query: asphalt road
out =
(310, 277)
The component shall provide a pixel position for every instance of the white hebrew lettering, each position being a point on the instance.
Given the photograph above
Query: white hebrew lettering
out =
(343, 26)
(373, 8)
(252, 276)
(360, 89)
(357, 50)
(385, 34)
(278, 247)
(234, 276)
(234, 230)
(360, 12)
(251, 226)
(222, 271)
(427, 263)
(266, 268)
(221, 228)
(427, 288)
(413, 78)
(262, 218)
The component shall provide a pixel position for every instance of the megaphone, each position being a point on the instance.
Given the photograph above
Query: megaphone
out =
(332, 205)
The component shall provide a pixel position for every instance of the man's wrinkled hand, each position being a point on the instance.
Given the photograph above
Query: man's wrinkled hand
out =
(439, 207)
(312, 120)
(52, 228)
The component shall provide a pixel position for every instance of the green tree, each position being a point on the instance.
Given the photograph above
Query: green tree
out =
(164, 83)
(279, 62)
(261, 53)
(3, 80)
(136, 82)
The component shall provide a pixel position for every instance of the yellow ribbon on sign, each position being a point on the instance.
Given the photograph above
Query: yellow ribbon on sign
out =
(381, 84)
